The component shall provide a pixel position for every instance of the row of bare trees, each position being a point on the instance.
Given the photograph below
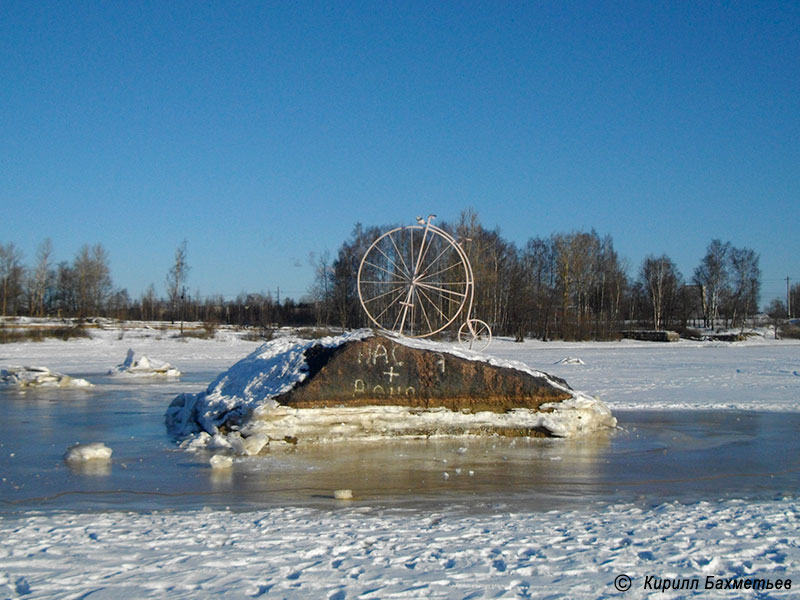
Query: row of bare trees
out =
(81, 288)
(258, 310)
(729, 282)
(568, 285)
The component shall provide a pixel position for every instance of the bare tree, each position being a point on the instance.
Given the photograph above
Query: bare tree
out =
(794, 299)
(575, 259)
(661, 282)
(346, 305)
(494, 265)
(176, 282)
(66, 298)
(711, 276)
(321, 290)
(41, 279)
(746, 278)
(149, 302)
(778, 312)
(539, 265)
(118, 304)
(611, 284)
(92, 279)
(11, 274)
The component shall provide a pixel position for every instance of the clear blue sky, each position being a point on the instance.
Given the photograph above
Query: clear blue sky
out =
(263, 131)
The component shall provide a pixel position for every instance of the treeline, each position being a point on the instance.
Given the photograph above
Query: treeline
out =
(570, 286)
(83, 288)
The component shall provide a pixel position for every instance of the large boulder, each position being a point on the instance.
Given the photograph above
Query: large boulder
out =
(367, 385)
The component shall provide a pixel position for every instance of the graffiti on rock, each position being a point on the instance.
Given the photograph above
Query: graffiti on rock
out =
(378, 380)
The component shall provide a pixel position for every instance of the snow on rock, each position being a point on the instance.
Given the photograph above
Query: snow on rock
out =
(95, 451)
(39, 377)
(144, 367)
(246, 406)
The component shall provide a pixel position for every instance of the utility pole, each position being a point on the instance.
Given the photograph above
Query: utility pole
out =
(788, 298)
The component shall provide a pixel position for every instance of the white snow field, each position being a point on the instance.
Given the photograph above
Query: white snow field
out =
(630, 539)
(349, 552)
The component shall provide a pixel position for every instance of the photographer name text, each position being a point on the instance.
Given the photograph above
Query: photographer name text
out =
(710, 582)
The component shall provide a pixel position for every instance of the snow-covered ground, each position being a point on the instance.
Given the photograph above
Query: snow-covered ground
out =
(348, 552)
(443, 548)
(758, 374)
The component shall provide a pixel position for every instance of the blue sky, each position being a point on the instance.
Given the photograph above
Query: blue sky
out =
(263, 131)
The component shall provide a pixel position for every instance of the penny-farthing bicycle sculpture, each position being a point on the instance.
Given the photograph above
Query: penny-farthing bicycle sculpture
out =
(416, 281)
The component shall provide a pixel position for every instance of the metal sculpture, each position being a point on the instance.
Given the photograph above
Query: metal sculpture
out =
(416, 281)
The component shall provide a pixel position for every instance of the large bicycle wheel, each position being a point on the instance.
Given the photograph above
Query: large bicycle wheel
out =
(414, 281)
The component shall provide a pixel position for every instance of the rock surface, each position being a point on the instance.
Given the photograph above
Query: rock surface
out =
(383, 371)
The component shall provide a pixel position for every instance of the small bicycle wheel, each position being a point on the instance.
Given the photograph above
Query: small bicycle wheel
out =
(413, 280)
(475, 334)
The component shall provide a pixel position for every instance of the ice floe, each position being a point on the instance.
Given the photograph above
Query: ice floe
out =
(39, 377)
(144, 367)
(220, 461)
(570, 360)
(94, 451)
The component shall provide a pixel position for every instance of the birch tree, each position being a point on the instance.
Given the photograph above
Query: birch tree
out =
(322, 287)
(746, 280)
(92, 279)
(177, 277)
(42, 278)
(661, 282)
(711, 276)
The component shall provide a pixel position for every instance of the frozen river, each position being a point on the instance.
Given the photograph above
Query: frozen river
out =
(700, 481)
(657, 455)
